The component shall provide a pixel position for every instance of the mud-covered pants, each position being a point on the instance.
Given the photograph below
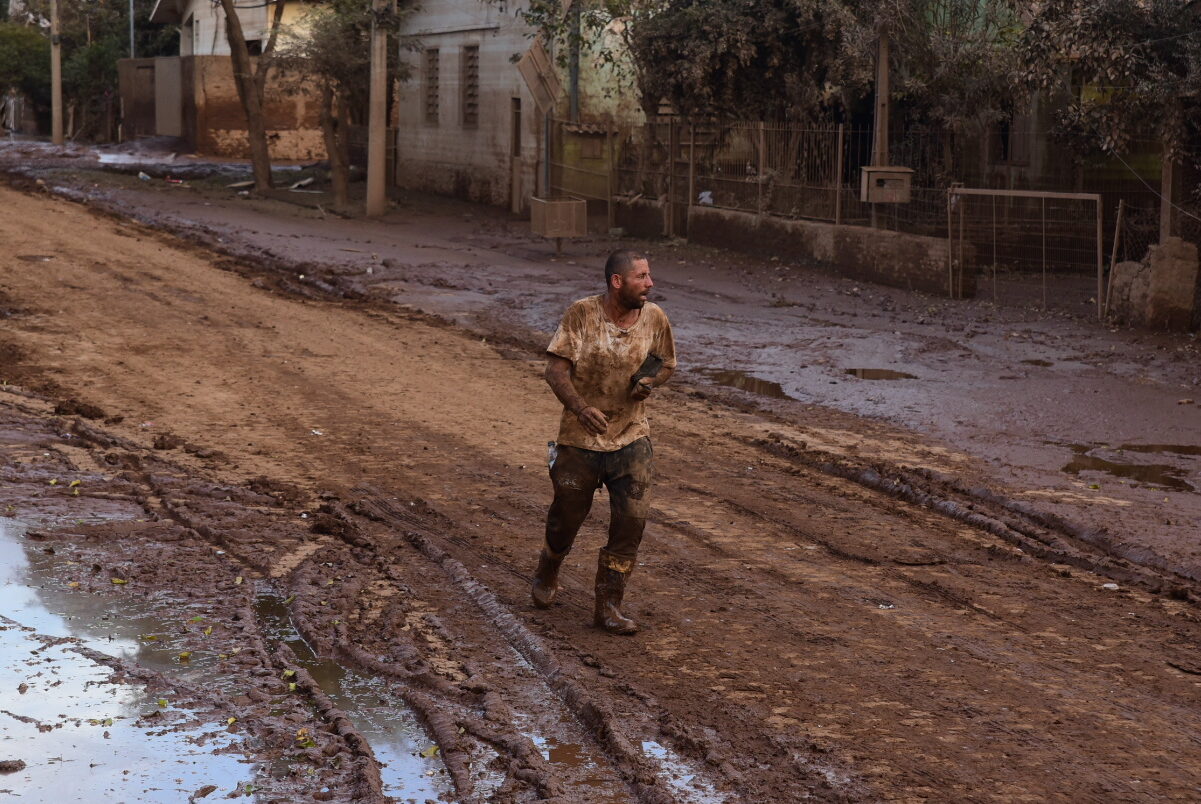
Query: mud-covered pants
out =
(577, 474)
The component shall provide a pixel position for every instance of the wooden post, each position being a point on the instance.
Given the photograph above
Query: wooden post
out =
(691, 163)
(377, 199)
(1168, 191)
(610, 136)
(56, 77)
(1044, 220)
(880, 144)
(1100, 259)
(994, 249)
(950, 243)
(839, 166)
(670, 212)
(958, 294)
(1113, 257)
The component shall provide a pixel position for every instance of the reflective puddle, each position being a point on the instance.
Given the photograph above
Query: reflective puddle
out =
(1154, 475)
(80, 737)
(682, 779)
(119, 742)
(745, 382)
(397, 738)
(574, 758)
(879, 374)
(1160, 449)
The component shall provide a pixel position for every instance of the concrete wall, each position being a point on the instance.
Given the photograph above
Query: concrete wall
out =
(168, 98)
(448, 156)
(215, 125)
(873, 255)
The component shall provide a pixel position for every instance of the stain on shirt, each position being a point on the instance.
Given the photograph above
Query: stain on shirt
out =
(603, 359)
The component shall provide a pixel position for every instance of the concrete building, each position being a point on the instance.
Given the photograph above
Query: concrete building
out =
(194, 96)
(467, 123)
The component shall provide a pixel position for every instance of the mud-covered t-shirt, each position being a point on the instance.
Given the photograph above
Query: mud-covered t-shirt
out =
(603, 359)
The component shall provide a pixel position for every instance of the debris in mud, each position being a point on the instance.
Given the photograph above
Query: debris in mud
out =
(165, 441)
(74, 407)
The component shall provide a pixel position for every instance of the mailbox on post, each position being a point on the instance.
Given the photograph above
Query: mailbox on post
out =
(884, 184)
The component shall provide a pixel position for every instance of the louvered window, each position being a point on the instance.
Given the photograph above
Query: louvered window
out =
(471, 86)
(431, 86)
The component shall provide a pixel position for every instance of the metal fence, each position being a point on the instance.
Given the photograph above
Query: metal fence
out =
(1033, 245)
(1041, 249)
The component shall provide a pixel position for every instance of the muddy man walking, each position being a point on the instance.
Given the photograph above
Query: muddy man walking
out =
(609, 354)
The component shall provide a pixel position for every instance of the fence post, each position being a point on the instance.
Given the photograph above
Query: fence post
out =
(1100, 259)
(950, 242)
(691, 163)
(610, 182)
(759, 176)
(1113, 258)
(670, 211)
(839, 167)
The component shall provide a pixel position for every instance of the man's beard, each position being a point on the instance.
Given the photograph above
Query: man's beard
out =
(634, 301)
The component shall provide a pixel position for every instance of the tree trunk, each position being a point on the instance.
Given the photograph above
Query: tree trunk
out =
(335, 134)
(251, 82)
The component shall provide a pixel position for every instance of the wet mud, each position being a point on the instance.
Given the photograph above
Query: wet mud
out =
(335, 486)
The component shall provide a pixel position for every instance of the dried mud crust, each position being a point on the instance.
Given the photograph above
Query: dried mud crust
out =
(805, 636)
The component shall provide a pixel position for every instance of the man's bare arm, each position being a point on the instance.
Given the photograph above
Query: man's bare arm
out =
(558, 377)
(647, 384)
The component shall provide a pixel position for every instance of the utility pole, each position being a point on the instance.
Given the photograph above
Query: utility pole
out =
(880, 151)
(56, 77)
(880, 138)
(377, 201)
(132, 50)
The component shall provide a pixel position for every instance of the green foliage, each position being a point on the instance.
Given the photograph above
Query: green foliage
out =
(952, 59)
(25, 61)
(1132, 68)
(333, 45)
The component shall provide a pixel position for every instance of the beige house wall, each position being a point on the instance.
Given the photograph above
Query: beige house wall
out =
(215, 124)
(449, 155)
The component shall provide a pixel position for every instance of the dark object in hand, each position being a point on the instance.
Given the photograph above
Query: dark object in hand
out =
(649, 368)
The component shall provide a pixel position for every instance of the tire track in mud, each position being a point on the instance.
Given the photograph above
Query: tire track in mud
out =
(638, 770)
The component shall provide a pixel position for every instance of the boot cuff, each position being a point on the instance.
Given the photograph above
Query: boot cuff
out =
(615, 562)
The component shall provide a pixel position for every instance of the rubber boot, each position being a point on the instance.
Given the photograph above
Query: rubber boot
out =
(546, 578)
(610, 588)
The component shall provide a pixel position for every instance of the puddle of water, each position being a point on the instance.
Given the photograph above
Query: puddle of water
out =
(679, 775)
(1043, 363)
(35, 257)
(570, 755)
(394, 732)
(1158, 449)
(1155, 475)
(879, 374)
(70, 719)
(745, 382)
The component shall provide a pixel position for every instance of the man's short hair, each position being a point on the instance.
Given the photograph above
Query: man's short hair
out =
(621, 262)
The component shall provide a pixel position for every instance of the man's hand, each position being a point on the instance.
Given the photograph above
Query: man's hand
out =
(593, 420)
(642, 389)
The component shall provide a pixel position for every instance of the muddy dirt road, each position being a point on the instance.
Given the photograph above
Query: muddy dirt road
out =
(301, 471)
